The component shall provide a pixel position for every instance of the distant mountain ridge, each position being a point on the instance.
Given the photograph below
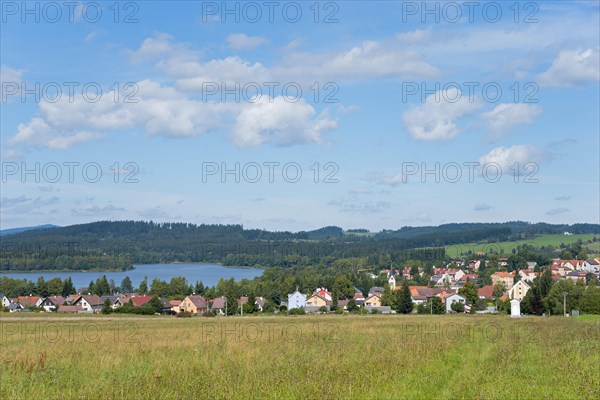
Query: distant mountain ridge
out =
(116, 245)
(13, 231)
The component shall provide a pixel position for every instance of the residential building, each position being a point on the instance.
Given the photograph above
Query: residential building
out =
(454, 298)
(296, 300)
(89, 303)
(52, 303)
(194, 304)
(503, 277)
(518, 290)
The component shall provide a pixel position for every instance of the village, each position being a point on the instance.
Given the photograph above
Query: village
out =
(447, 289)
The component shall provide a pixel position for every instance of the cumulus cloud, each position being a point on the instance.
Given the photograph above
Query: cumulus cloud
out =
(572, 68)
(506, 157)
(506, 116)
(241, 41)
(436, 118)
(281, 123)
(159, 111)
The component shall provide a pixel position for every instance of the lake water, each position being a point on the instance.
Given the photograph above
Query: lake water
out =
(209, 274)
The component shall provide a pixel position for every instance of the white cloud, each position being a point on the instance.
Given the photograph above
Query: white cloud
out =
(280, 122)
(416, 36)
(159, 111)
(572, 68)
(229, 70)
(369, 60)
(506, 116)
(162, 45)
(436, 118)
(241, 41)
(506, 157)
(38, 133)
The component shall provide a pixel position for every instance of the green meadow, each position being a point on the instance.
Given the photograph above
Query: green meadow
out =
(302, 357)
(507, 247)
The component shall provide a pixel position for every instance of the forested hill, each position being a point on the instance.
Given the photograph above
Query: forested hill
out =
(117, 244)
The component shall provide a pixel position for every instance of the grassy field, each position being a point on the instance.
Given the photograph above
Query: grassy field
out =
(305, 357)
(507, 247)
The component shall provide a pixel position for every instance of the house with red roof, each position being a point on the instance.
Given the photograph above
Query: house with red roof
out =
(29, 301)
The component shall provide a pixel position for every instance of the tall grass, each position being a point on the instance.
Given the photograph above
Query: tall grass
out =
(321, 357)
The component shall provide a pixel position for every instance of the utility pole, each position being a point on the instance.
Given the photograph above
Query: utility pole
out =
(565, 304)
(225, 306)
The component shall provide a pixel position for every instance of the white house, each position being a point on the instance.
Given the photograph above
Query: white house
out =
(52, 303)
(518, 290)
(4, 300)
(90, 304)
(453, 298)
(296, 300)
(591, 266)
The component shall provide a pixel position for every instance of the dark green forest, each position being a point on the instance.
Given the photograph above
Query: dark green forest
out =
(116, 245)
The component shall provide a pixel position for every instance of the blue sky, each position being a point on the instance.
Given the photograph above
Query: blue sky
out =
(400, 92)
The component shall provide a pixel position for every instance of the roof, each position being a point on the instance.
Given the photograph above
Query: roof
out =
(322, 292)
(358, 296)
(175, 303)
(92, 299)
(454, 294)
(502, 274)
(27, 300)
(56, 300)
(343, 303)
(487, 292)
(198, 301)
(218, 303)
(14, 306)
(139, 301)
(591, 262)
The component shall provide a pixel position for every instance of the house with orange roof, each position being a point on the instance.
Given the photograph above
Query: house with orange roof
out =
(29, 301)
(486, 292)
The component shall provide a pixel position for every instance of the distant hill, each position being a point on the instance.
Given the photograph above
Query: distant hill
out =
(12, 231)
(116, 245)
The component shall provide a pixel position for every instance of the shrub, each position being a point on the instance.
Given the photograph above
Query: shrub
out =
(297, 311)
(184, 314)
(458, 307)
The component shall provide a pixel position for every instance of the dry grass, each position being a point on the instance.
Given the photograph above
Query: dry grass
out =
(324, 357)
